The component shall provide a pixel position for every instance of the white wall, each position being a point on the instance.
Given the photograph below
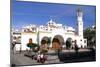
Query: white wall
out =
(17, 47)
(25, 38)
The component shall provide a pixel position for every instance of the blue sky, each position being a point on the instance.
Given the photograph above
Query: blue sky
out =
(24, 13)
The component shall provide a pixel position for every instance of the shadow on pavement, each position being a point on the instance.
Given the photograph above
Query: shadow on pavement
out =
(84, 56)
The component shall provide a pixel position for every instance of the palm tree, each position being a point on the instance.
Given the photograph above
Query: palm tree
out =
(90, 35)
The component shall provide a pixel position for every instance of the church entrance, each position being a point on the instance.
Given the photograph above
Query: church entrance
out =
(57, 42)
(46, 42)
(68, 43)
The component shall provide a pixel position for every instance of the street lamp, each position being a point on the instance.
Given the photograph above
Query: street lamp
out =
(38, 36)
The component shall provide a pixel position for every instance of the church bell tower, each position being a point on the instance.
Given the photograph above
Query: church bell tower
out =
(79, 22)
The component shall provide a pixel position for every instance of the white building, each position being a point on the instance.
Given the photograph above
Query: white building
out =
(54, 32)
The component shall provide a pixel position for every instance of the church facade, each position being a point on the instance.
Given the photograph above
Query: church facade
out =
(53, 34)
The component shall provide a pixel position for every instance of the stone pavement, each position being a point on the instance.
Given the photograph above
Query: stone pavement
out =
(20, 59)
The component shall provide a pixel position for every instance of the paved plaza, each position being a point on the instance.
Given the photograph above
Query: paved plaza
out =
(52, 57)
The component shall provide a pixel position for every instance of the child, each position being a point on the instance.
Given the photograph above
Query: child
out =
(41, 57)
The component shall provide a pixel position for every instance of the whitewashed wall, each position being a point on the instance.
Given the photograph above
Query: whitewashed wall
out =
(25, 38)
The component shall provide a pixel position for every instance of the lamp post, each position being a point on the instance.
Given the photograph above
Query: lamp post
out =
(38, 36)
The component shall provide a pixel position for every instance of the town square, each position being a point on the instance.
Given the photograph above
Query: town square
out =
(59, 33)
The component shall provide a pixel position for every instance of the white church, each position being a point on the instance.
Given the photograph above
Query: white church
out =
(52, 32)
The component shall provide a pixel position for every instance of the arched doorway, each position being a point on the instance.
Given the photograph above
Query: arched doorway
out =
(68, 43)
(46, 40)
(57, 42)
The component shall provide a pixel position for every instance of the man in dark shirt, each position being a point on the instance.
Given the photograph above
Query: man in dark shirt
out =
(32, 45)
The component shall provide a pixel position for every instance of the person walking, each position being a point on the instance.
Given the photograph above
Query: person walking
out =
(76, 47)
